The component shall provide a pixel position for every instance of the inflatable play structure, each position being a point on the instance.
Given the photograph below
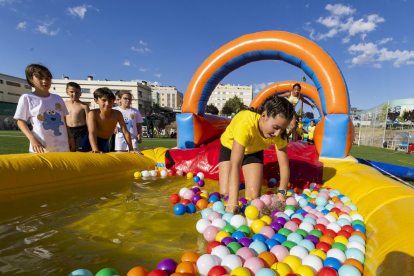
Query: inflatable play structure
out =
(386, 205)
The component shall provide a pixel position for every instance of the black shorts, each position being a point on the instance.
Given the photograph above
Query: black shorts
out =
(256, 157)
(78, 133)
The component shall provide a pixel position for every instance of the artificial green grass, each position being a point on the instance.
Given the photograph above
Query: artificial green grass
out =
(389, 156)
(12, 142)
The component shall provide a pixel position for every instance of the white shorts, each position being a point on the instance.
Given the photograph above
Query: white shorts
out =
(121, 144)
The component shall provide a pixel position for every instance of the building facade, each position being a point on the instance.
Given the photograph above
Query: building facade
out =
(10, 90)
(167, 96)
(224, 92)
(141, 93)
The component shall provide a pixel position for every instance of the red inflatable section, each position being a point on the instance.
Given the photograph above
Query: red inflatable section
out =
(303, 162)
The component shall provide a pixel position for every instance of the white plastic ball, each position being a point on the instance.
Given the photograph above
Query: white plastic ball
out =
(201, 175)
(220, 251)
(145, 173)
(337, 254)
(182, 191)
(306, 226)
(231, 262)
(313, 261)
(164, 173)
(334, 227)
(202, 224)
(357, 217)
(205, 263)
(219, 223)
(237, 221)
(299, 252)
(153, 173)
(357, 245)
(330, 217)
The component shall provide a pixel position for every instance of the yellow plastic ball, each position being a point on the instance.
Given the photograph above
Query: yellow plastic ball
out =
(307, 193)
(137, 174)
(266, 219)
(221, 235)
(204, 195)
(248, 198)
(289, 193)
(353, 213)
(293, 262)
(319, 253)
(251, 212)
(333, 214)
(315, 192)
(305, 270)
(341, 239)
(257, 225)
(347, 203)
(281, 269)
(190, 175)
(240, 271)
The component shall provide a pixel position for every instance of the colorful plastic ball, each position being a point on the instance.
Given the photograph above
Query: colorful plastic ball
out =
(179, 209)
(213, 198)
(190, 256)
(202, 204)
(138, 271)
(312, 238)
(218, 205)
(219, 224)
(289, 244)
(280, 252)
(327, 271)
(258, 203)
(217, 270)
(237, 221)
(299, 252)
(202, 224)
(156, 272)
(200, 183)
(301, 232)
(330, 232)
(305, 270)
(313, 261)
(276, 226)
(205, 212)
(258, 237)
(293, 262)
(136, 175)
(170, 173)
(234, 247)
(359, 227)
(245, 241)
(211, 245)
(354, 253)
(190, 208)
(187, 268)
(348, 270)
(196, 179)
(167, 265)
(285, 232)
(333, 263)
(267, 231)
(185, 202)
(175, 198)
(281, 269)
(337, 254)
(357, 238)
(294, 237)
(325, 247)
(163, 173)
(205, 263)
(251, 212)
(190, 175)
(258, 247)
(188, 194)
(253, 265)
(291, 225)
(221, 235)
(238, 235)
(81, 272)
(240, 271)
(220, 251)
(270, 243)
(279, 238)
(306, 226)
(210, 233)
(307, 244)
(265, 272)
(231, 262)
(153, 173)
(227, 240)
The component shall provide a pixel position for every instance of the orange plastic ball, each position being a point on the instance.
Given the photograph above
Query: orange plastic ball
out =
(268, 258)
(190, 256)
(354, 263)
(313, 201)
(202, 204)
(210, 205)
(188, 268)
(359, 233)
(138, 271)
(328, 239)
(335, 199)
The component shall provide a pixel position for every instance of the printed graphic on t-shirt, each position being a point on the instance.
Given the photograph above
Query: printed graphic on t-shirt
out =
(52, 119)
(128, 123)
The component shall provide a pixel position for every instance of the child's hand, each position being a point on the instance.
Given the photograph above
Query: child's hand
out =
(281, 197)
(95, 151)
(72, 144)
(37, 146)
(232, 208)
(139, 140)
(136, 152)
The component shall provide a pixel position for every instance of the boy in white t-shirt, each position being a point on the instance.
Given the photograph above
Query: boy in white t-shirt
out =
(46, 112)
(132, 119)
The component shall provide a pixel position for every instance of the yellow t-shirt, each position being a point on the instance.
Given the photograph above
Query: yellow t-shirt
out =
(311, 129)
(300, 125)
(244, 129)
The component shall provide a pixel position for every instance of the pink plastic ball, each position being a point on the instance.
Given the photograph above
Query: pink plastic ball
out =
(258, 203)
(253, 265)
(245, 253)
(311, 216)
(291, 201)
(307, 208)
(319, 214)
(213, 215)
(322, 221)
(280, 252)
(267, 231)
(346, 209)
(339, 205)
(188, 194)
(210, 233)
(267, 200)
(292, 226)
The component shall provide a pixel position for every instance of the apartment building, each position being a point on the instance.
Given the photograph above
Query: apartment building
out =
(167, 96)
(224, 92)
(141, 93)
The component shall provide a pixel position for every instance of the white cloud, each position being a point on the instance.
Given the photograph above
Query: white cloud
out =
(409, 62)
(80, 10)
(257, 87)
(158, 75)
(22, 26)
(362, 59)
(140, 50)
(377, 65)
(142, 43)
(126, 63)
(44, 28)
(339, 9)
(399, 57)
(156, 83)
(385, 40)
(143, 69)
(366, 48)
(341, 20)
(4, 2)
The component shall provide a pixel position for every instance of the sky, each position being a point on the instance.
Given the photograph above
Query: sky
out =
(165, 41)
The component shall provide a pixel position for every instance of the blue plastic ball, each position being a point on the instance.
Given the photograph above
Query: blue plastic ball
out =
(258, 247)
(258, 237)
(196, 179)
(238, 235)
(332, 262)
(312, 205)
(265, 272)
(190, 208)
(227, 217)
(213, 198)
(359, 227)
(279, 238)
(179, 209)
(81, 272)
(205, 213)
(270, 243)
(218, 205)
(354, 253)
(348, 270)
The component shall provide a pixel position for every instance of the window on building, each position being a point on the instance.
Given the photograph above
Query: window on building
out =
(86, 90)
(27, 86)
(13, 94)
(139, 94)
(13, 83)
(139, 106)
(1, 81)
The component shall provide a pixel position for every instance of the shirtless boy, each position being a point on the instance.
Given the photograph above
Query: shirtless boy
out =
(101, 124)
(76, 120)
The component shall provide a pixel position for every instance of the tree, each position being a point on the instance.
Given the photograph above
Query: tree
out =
(309, 115)
(401, 117)
(234, 103)
(393, 116)
(384, 112)
(227, 110)
(212, 109)
(409, 116)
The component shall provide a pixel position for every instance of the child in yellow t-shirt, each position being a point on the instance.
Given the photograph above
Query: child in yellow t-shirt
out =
(311, 129)
(242, 144)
